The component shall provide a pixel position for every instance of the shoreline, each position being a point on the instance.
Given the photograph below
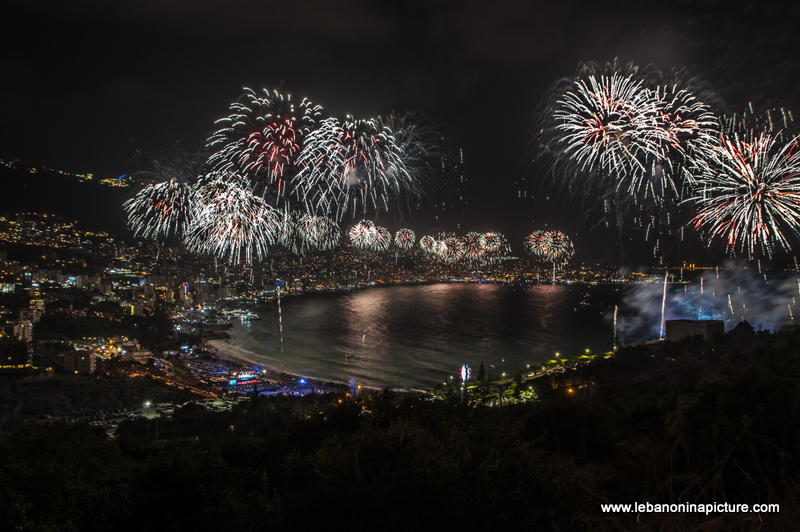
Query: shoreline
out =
(253, 300)
(237, 360)
(284, 377)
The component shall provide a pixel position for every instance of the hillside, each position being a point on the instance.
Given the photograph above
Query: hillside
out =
(94, 206)
(694, 422)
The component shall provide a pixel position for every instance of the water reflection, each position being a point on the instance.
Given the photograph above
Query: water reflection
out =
(415, 336)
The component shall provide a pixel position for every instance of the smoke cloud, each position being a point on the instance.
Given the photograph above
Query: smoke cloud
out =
(766, 300)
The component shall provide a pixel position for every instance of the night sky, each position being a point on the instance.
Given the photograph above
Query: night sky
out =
(87, 83)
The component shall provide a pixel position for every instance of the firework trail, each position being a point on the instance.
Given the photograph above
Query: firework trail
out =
(664, 306)
(280, 316)
(749, 190)
(230, 222)
(262, 136)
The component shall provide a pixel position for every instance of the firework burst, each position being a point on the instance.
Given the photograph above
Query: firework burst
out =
(495, 247)
(262, 136)
(427, 156)
(161, 206)
(352, 167)
(552, 246)
(634, 138)
(404, 239)
(427, 243)
(608, 123)
(687, 134)
(470, 248)
(270, 148)
(366, 235)
(449, 248)
(685, 124)
(301, 232)
(231, 222)
(442, 252)
(749, 192)
(319, 232)
(382, 240)
(159, 209)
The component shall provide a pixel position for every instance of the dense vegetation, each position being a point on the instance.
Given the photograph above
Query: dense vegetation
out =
(694, 421)
(60, 395)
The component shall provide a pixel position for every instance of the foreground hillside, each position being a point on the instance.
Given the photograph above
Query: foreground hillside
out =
(695, 421)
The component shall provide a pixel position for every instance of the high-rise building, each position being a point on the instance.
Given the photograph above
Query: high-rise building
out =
(23, 330)
(15, 353)
(79, 362)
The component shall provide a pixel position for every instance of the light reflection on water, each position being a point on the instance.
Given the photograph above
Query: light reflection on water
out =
(418, 336)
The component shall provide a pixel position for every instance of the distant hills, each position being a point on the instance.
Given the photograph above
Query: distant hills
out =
(94, 206)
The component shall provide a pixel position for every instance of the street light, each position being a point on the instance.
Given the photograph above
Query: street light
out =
(147, 415)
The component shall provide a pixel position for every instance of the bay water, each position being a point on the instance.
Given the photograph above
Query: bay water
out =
(418, 336)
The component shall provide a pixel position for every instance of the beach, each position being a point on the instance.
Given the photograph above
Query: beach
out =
(289, 382)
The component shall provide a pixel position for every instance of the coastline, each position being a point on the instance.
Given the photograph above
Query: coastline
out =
(286, 378)
(222, 353)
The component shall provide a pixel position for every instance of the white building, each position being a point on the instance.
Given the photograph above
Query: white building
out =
(23, 330)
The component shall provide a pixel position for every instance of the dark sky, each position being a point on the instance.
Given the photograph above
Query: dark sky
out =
(86, 82)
